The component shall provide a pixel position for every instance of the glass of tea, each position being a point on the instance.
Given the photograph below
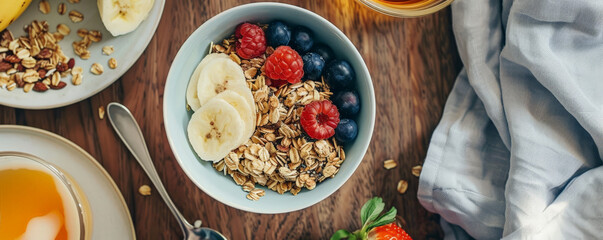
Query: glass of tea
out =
(406, 8)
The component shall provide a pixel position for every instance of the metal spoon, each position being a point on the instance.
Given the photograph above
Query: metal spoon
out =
(128, 130)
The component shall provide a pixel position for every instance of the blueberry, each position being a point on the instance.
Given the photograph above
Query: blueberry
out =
(278, 34)
(324, 51)
(348, 103)
(313, 65)
(346, 131)
(340, 74)
(302, 40)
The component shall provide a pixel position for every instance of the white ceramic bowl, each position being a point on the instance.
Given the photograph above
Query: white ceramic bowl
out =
(176, 117)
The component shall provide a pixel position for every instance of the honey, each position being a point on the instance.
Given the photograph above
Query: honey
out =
(406, 4)
(35, 203)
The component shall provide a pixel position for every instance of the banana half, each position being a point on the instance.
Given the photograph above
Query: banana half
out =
(123, 16)
(225, 113)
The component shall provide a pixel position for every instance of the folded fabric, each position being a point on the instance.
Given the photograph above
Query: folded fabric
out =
(517, 154)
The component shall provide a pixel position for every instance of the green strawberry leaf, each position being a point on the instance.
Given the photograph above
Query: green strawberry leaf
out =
(340, 234)
(386, 218)
(371, 210)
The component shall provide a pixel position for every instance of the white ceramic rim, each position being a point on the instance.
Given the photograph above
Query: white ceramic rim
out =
(106, 83)
(88, 156)
(356, 54)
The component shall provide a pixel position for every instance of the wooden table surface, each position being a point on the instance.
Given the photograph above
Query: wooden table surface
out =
(413, 64)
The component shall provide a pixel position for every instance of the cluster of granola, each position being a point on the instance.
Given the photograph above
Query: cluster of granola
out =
(279, 155)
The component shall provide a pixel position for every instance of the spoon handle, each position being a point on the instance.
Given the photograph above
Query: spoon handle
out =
(128, 130)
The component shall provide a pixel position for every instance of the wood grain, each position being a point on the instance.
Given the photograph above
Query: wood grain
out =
(413, 64)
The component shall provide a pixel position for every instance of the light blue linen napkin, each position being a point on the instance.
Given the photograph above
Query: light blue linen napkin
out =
(518, 152)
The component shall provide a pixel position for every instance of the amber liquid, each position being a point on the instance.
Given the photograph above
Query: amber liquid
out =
(26, 195)
(406, 3)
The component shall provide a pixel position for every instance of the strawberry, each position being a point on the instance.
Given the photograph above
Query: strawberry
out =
(388, 232)
(374, 225)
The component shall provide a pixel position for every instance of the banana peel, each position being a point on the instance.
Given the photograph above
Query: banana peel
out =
(11, 10)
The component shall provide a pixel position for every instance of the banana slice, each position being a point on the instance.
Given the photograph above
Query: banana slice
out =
(123, 16)
(245, 111)
(191, 92)
(217, 76)
(215, 129)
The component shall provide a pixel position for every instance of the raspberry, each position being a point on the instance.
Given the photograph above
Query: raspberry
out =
(275, 82)
(251, 41)
(285, 64)
(319, 119)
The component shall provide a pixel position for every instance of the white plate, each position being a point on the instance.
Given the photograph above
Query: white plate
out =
(128, 49)
(110, 215)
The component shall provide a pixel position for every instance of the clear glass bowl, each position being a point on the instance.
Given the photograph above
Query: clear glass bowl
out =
(417, 9)
(76, 193)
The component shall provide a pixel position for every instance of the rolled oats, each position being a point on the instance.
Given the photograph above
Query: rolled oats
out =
(144, 190)
(402, 186)
(97, 69)
(74, 1)
(107, 50)
(77, 79)
(63, 29)
(416, 170)
(101, 112)
(76, 16)
(44, 6)
(389, 164)
(62, 9)
(112, 63)
(28, 87)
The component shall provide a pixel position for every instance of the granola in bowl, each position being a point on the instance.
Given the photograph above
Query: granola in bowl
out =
(178, 112)
(281, 154)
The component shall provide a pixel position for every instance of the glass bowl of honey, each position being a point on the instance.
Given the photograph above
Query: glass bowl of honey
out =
(38, 200)
(406, 8)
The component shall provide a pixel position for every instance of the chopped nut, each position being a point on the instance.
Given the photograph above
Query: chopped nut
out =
(389, 164)
(101, 112)
(63, 29)
(97, 69)
(76, 16)
(112, 63)
(107, 50)
(62, 8)
(44, 6)
(144, 190)
(402, 186)
(416, 170)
